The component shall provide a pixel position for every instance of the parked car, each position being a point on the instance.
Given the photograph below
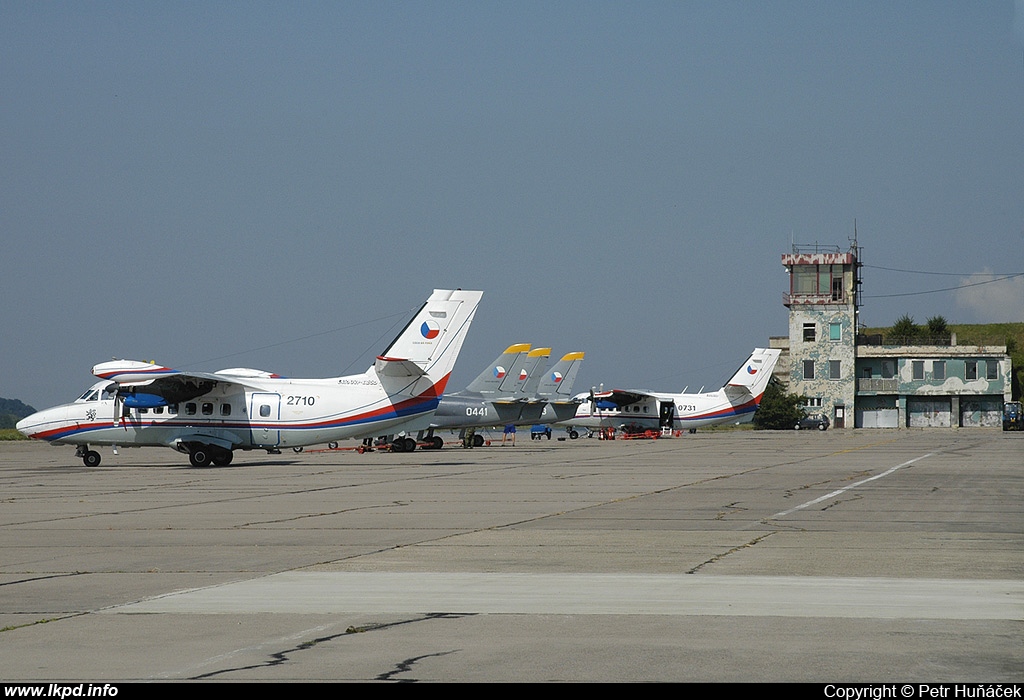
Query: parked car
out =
(812, 420)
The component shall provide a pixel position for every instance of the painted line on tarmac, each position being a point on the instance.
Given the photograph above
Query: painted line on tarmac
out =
(847, 488)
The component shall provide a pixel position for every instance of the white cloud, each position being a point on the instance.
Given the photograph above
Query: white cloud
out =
(988, 301)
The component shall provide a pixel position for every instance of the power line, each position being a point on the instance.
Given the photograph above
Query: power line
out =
(945, 289)
(948, 274)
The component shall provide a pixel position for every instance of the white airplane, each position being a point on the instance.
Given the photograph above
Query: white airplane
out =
(209, 415)
(648, 410)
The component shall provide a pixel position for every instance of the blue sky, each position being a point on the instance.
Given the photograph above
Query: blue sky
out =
(275, 185)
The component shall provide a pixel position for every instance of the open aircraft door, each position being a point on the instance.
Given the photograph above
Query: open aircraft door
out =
(264, 414)
(666, 414)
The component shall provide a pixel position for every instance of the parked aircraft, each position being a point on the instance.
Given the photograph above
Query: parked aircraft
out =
(209, 415)
(511, 391)
(648, 410)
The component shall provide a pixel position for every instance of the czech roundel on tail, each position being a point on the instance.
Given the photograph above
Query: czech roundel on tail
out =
(209, 415)
(735, 402)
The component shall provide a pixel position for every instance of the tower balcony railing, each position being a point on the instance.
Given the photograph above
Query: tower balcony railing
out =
(789, 299)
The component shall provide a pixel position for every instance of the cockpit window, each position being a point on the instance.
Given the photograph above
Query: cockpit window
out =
(90, 395)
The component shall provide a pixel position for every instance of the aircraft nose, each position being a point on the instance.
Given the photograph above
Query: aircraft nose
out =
(24, 426)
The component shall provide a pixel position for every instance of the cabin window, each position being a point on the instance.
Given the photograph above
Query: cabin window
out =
(190, 409)
(225, 409)
(158, 409)
(971, 370)
(207, 409)
(939, 370)
(172, 409)
(265, 411)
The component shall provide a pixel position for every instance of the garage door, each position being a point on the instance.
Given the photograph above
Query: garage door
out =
(981, 412)
(878, 418)
(929, 412)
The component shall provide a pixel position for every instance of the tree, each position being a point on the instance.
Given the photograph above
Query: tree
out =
(904, 329)
(938, 330)
(778, 410)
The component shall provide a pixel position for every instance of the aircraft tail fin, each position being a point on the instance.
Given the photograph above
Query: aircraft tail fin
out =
(752, 377)
(421, 358)
(557, 382)
(491, 378)
(526, 382)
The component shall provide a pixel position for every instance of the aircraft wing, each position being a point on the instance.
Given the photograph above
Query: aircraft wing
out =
(620, 397)
(170, 385)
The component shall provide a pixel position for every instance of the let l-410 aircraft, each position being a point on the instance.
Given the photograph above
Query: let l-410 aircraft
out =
(511, 391)
(633, 410)
(209, 415)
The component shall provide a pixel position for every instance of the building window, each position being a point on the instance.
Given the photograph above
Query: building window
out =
(993, 370)
(833, 369)
(812, 402)
(809, 332)
(808, 369)
(918, 370)
(888, 369)
(971, 370)
(835, 331)
(939, 370)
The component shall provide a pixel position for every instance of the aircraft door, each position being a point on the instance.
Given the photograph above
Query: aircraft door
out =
(666, 415)
(264, 419)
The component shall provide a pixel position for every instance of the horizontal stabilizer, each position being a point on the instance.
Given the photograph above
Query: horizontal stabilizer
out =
(395, 367)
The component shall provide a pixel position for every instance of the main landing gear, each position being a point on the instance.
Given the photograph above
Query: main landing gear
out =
(205, 455)
(91, 458)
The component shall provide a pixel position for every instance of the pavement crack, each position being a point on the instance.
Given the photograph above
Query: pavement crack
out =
(288, 655)
(733, 550)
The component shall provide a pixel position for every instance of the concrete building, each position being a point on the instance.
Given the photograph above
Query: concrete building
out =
(864, 382)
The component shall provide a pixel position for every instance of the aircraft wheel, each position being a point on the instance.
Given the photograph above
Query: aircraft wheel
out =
(200, 457)
(91, 458)
(573, 435)
(436, 442)
(332, 445)
(297, 449)
(398, 445)
(222, 458)
(478, 441)
(410, 444)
